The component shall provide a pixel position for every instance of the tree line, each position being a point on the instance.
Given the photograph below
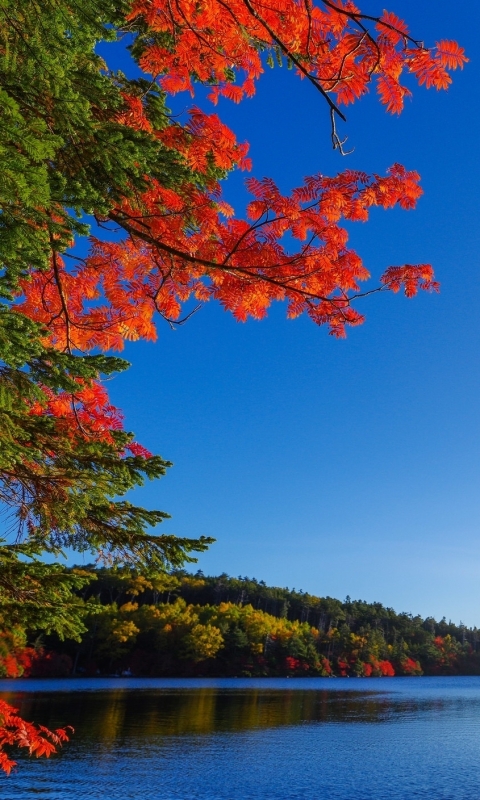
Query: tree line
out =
(182, 624)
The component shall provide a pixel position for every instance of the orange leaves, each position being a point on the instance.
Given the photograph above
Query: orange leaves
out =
(391, 93)
(230, 91)
(209, 40)
(134, 114)
(181, 246)
(243, 264)
(85, 412)
(184, 245)
(430, 67)
(392, 28)
(412, 278)
(210, 137)
(428, 70)
(332, 44)
(205, 137)
(450, 54)
(16, 732)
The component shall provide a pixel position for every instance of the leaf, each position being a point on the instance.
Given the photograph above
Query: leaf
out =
(392, 27)
(391, 93)
(450, 54)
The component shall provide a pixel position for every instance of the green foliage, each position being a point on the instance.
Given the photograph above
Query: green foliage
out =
(184, 624)
(39, 596)
(64, 155)
(62, 152)
(63, 486)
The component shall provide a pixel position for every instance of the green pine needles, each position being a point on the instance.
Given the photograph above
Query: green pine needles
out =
(66, 464)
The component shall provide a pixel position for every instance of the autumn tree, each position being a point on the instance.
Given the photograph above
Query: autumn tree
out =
(222, 626)
(82, 142)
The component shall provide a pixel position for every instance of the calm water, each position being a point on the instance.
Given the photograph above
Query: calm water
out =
(247, 739)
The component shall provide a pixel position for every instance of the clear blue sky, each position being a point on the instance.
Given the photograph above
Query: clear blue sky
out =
(339, 467)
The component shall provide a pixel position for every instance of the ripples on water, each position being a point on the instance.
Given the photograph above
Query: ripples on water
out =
(272, 739)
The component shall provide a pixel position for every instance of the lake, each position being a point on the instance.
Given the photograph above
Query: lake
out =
(253, 739)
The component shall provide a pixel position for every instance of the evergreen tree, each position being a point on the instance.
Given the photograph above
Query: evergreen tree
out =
(65, 154)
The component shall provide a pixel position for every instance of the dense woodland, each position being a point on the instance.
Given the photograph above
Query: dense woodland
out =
(180, 624)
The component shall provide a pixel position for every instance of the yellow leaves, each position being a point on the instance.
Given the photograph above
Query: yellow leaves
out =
(203, 641)
(136, 586)
(128, 332)
(193, 583)
(129, 608)
(175, 625)
(123, 631)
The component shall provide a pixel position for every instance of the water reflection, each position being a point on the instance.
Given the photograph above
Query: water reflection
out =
(368, 740)
(122, 713)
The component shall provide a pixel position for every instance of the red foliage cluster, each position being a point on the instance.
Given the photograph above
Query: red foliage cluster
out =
(372, 668)
(386, 669)
(14, 665)
(296, 665)
(410, 667)
(17, 661)
(16, 732)
(183, 243)
(446, 656)
(329, 44)
(51, 665)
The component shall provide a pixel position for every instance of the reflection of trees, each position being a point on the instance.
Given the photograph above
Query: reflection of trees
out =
(145, 714)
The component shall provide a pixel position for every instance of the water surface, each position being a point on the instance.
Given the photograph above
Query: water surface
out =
(253, 739)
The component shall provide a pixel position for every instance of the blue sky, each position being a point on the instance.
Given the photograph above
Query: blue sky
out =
(339, 467)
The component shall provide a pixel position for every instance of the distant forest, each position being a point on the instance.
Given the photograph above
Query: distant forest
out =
(182, 624)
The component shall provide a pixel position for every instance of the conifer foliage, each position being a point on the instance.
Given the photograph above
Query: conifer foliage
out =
(81, 142)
